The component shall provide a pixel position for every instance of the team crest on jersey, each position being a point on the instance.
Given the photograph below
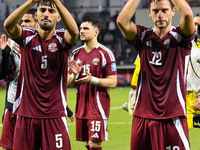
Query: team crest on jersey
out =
(166, 44)
(53, 47)
(95, 61)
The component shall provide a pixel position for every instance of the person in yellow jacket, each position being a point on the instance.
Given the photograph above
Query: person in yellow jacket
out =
(193, 77)
(131, 103)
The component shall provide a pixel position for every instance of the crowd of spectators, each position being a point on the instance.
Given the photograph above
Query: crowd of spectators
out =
(110, 35)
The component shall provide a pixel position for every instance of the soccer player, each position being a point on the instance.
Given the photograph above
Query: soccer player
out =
(131, 103)
(96, 73)
(159, 121)
(40, 101)
(193, 77)
(28, 20)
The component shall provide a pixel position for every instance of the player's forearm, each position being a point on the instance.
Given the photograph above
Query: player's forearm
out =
(109, 82)
(70, 80)
(127, 12)
(11, 23)
(186, 22)
(124, 22)
(68, 20)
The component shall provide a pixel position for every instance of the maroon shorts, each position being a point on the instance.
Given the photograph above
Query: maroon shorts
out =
(7, 134)
(91, 130)
(171, 134)
(45, 134)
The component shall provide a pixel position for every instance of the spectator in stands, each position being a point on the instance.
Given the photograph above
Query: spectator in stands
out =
(112, 26)
(108, 40)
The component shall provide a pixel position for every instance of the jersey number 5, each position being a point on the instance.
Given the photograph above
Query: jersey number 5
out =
(44, 62)
(59, 141)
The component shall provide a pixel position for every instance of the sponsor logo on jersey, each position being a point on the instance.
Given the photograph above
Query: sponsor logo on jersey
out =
(78, 61)
(38, 48)
(149, 43)
(95, 61)
(166, 44)
(53, 47)
(95, 136)
(113, 67)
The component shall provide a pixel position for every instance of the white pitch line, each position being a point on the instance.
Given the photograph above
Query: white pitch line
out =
(115, 123)
(114, 108)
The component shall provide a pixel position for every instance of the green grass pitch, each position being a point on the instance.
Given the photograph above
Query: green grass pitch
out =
(119, 122)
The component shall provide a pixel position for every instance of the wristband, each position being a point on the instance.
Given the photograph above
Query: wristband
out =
(94, 80)
(74, 77)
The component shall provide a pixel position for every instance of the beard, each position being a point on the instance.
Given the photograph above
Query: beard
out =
(162, 26)
(45, 28)
(84, 40)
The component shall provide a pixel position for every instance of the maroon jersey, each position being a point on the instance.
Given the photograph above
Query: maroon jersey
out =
(93, 102)
(42, 83)
(161, 91)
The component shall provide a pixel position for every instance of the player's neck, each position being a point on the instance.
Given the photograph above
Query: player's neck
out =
(90, 45)
(162, 32)
(46, 35)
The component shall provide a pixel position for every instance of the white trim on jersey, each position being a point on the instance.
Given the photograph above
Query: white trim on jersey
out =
(105, 122)
(28, 39)
(76, 51)
(181, 133)
(187, 58)
(176, 36)
(18, 100)
(110, 53)
(29, 29)
(104, 62)
(65, 123)
(61, 41)
(103, 115)
(180, 95)
(138, 92)
(63, 95)
(142, 36)
(60, 30)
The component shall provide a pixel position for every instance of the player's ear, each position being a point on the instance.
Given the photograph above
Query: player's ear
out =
(59, 18)
(36, 15)
(150, 13)
(173, 11)
(97, 32)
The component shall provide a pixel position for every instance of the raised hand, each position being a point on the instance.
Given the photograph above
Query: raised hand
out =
(75, 67)
(197, 105)
(15, 49)
(3, 42)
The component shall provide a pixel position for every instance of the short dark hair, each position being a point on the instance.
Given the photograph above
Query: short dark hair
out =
(93, 21)
(154, 1)
(32, 12)
(197, 15)
(46, 3)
